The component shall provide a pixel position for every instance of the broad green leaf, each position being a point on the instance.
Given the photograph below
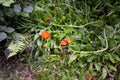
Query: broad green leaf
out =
(72, 58)
(3, 36)
(17, 8)
(28, 9)
(104, 73)
(6, 2)
(9, 30)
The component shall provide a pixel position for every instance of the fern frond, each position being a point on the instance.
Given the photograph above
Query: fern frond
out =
(17, 45)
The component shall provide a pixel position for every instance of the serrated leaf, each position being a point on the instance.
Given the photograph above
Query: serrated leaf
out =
(18, 45)
(15, 47)
(28, 9)
(104, 73)
(3, 36)
(17, 8)
(72, 58)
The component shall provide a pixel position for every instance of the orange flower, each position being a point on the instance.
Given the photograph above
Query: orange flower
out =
(90, 77)
(65, 42)
(45, 34)
(47, 20)
(68, 40)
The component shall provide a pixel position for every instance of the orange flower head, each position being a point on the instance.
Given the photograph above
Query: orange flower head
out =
(90, 77)
(47, 20)
(65, 42)
(68, 40)
(45, 34)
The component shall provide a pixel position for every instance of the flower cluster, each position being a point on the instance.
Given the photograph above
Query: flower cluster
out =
(65, 42)
(46, 35)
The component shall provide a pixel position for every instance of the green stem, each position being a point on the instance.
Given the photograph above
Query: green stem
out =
(98, 51)
(81, 26)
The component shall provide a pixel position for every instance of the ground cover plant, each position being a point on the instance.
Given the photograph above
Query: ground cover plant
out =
(70, 40)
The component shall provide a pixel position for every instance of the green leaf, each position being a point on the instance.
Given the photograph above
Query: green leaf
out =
(91, 58)
(104, 73)
(3, 36)
(72, 58)
(13, 77)
(112, 43)
(91, 67)
(28, 9)
(81, 64)
(84, 54)
(111, 58)
(17, 45)
(97, 66)
(6, 2)
(9, 30)
(36, 36)
(24, 14)
(116, 57)
(9, 12)
(17, 8)
(112, 67)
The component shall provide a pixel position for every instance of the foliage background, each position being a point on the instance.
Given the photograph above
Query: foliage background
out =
(93, 26)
